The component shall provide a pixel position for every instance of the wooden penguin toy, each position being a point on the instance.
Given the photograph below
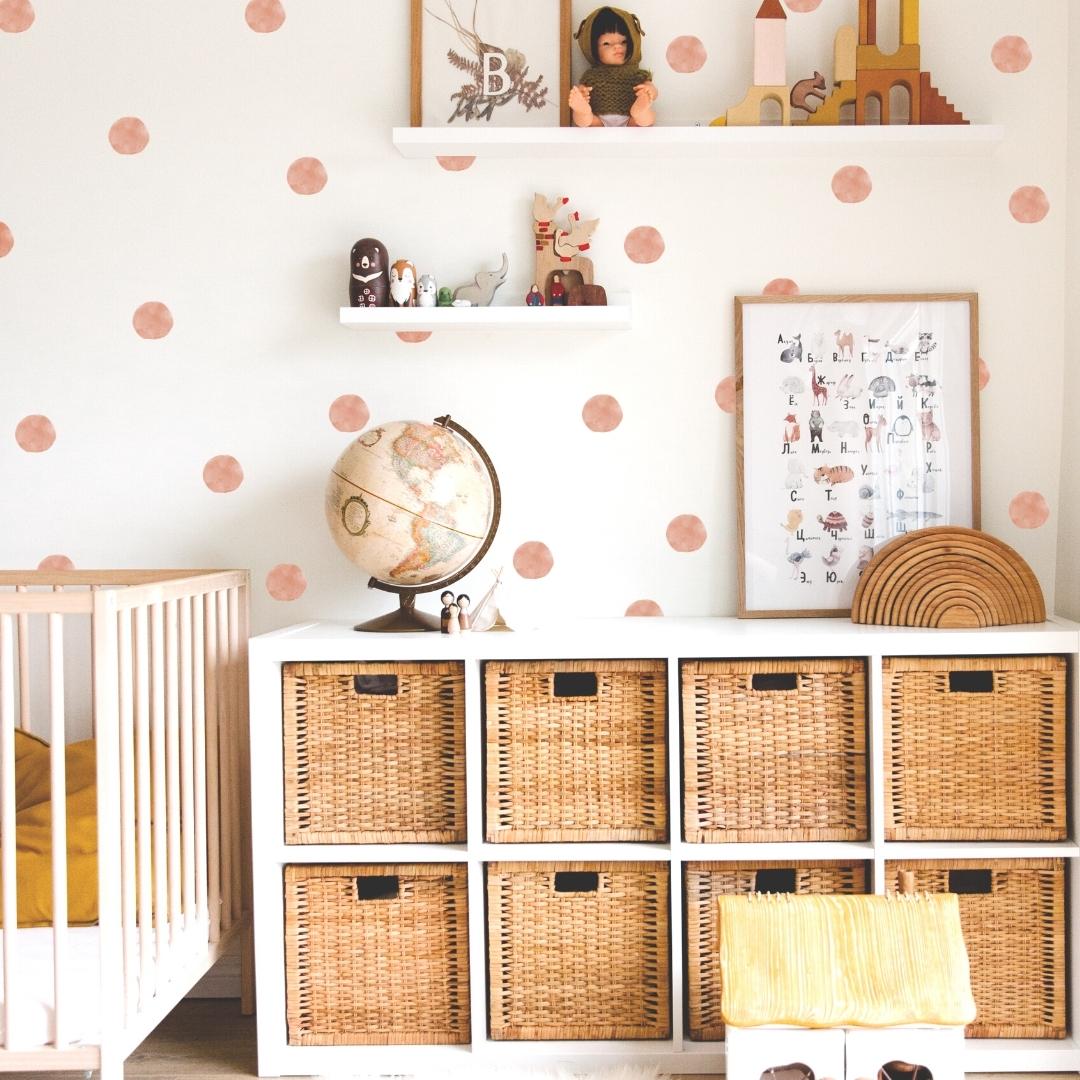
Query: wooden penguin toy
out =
(369, 283)
(403, 284)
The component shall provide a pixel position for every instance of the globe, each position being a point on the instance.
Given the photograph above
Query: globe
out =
(415, 506)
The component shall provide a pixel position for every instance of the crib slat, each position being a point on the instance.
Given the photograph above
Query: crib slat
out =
(24, 665)
(142, 802)
(159, 823)
(187, 766)
(128, 916)
(235, 779)
(198, 720)
(213, 847)
(172, 767)
(7, 824)
(225, 756)
(58, 807)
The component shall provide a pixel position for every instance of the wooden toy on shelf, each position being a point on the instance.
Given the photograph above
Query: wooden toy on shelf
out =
(587, 296)
(481, 290)
(403, 284)
(559, 247)
(369, 285)
(770, 72)
(426, 291)
(534, 297)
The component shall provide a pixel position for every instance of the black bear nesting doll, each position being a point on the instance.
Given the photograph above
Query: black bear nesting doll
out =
(369, 281)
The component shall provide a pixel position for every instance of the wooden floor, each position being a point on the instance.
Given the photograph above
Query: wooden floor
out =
(208, 1039)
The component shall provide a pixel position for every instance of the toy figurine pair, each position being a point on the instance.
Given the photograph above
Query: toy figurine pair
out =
(454, 618)
(615, 91)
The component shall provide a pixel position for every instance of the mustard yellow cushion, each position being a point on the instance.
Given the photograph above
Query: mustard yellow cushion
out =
(33, 831)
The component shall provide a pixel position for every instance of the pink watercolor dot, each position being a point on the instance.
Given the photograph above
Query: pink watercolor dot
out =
(686, 533)
(56, 562)
(413, 337)
(16, 16)
(286, 582)
(686, 54)
(128, 135)
(349, 413)
(7, 241)
(1029, 205)
(35, 434)
(455, 164)
(1011, 54)
(307, 176)
(643, 244)
(984, 374)
(602, 413)
(781, 286)
(644, 608)
(1029, 510)
(264, 16)
(533, 560)
(725, 394)
(803, 6)
(851, 184)
(222, 473)
(152, 320)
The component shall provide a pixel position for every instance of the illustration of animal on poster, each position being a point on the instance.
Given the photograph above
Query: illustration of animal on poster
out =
(859, 423)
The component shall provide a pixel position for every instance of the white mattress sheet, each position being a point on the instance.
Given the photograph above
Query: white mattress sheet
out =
(33, 1018)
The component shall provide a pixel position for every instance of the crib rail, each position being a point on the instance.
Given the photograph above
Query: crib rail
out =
(167, 701)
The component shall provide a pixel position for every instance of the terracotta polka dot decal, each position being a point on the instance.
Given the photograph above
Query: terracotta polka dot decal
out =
(686, 533)
(129, 135)
(7, 241)
(602, 413)
(349, 413)
(781, 286)
(984, 374)
(644, 608)
(152, 320)
(1029, 205)
(643, 244)
(1029, 510)
(264, 16)
(1011, 54)
(16, 16)
(803, 6)
(222, 474)
(307, 176)
(686, 54)
(455, 164)
(56, 562)
(725, 394)
(286, 582)
(35, 434)
(533, 560)
(851, 184)
(413, 337)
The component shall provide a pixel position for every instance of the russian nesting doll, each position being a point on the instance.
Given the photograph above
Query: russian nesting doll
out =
(426, 291)
(403, 284)
(369, 282)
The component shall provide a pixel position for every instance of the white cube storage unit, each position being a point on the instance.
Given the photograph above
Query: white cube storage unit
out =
(465, 740)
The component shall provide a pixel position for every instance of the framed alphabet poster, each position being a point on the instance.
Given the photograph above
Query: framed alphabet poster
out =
(857, 421)
(490, 63)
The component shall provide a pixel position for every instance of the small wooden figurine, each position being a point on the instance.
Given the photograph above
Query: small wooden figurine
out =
(559, 245)
(447, 598)
(534, 297)
(463, 612)
(558, 291)
(369, 285)
(453, 624)
(426, 290)
(445, 298)
(587, 296)
(482, 289)
(403, 284)
(615, 91)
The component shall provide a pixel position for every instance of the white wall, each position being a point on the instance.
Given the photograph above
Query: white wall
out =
(253, 273)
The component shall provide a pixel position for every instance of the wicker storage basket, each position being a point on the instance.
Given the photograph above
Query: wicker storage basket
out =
(975, 748)
(704, 882)
(374, 753)
(774, 750)
(376, 955)
(578, 950)
(576, 750)
(1013, 915)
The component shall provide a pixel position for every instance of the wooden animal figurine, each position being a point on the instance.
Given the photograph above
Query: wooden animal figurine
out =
(615, 91)
(426, 291)
(587, 296)
(445, 298)
(534, 297)
(559, 246)
(808, 94)
(403, 284)
(369, 285)
(482, 289)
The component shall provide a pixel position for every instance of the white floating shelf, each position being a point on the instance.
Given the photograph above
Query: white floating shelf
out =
(929, 140)
(617, 315)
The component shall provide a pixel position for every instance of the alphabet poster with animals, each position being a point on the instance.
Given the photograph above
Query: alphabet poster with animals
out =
(857, 423)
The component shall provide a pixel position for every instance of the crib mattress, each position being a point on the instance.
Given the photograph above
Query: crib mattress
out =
(33, 1000)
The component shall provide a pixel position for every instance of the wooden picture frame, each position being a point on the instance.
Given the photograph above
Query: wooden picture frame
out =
(857, 420)
(485, 31)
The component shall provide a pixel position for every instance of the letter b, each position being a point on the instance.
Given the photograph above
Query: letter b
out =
(495, 78)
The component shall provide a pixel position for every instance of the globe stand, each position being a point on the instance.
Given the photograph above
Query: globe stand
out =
(403, 621)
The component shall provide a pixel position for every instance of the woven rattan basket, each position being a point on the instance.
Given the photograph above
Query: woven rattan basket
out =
(1013, 916)
(376, 955)
(374, 753)
(704, 882)
(975, 748)
(774, 750)
(576, 750)
(578, 950)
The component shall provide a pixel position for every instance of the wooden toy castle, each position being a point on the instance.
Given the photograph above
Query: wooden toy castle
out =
(868, 84)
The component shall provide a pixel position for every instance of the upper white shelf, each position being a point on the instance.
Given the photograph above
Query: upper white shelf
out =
(617, 315)
(928, 140)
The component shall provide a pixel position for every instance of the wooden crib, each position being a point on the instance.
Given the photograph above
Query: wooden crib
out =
(153, 666)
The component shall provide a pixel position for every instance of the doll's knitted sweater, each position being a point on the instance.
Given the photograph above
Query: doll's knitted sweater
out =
(613, 87)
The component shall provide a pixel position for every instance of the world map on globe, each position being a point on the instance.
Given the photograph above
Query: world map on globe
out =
(410, 503)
